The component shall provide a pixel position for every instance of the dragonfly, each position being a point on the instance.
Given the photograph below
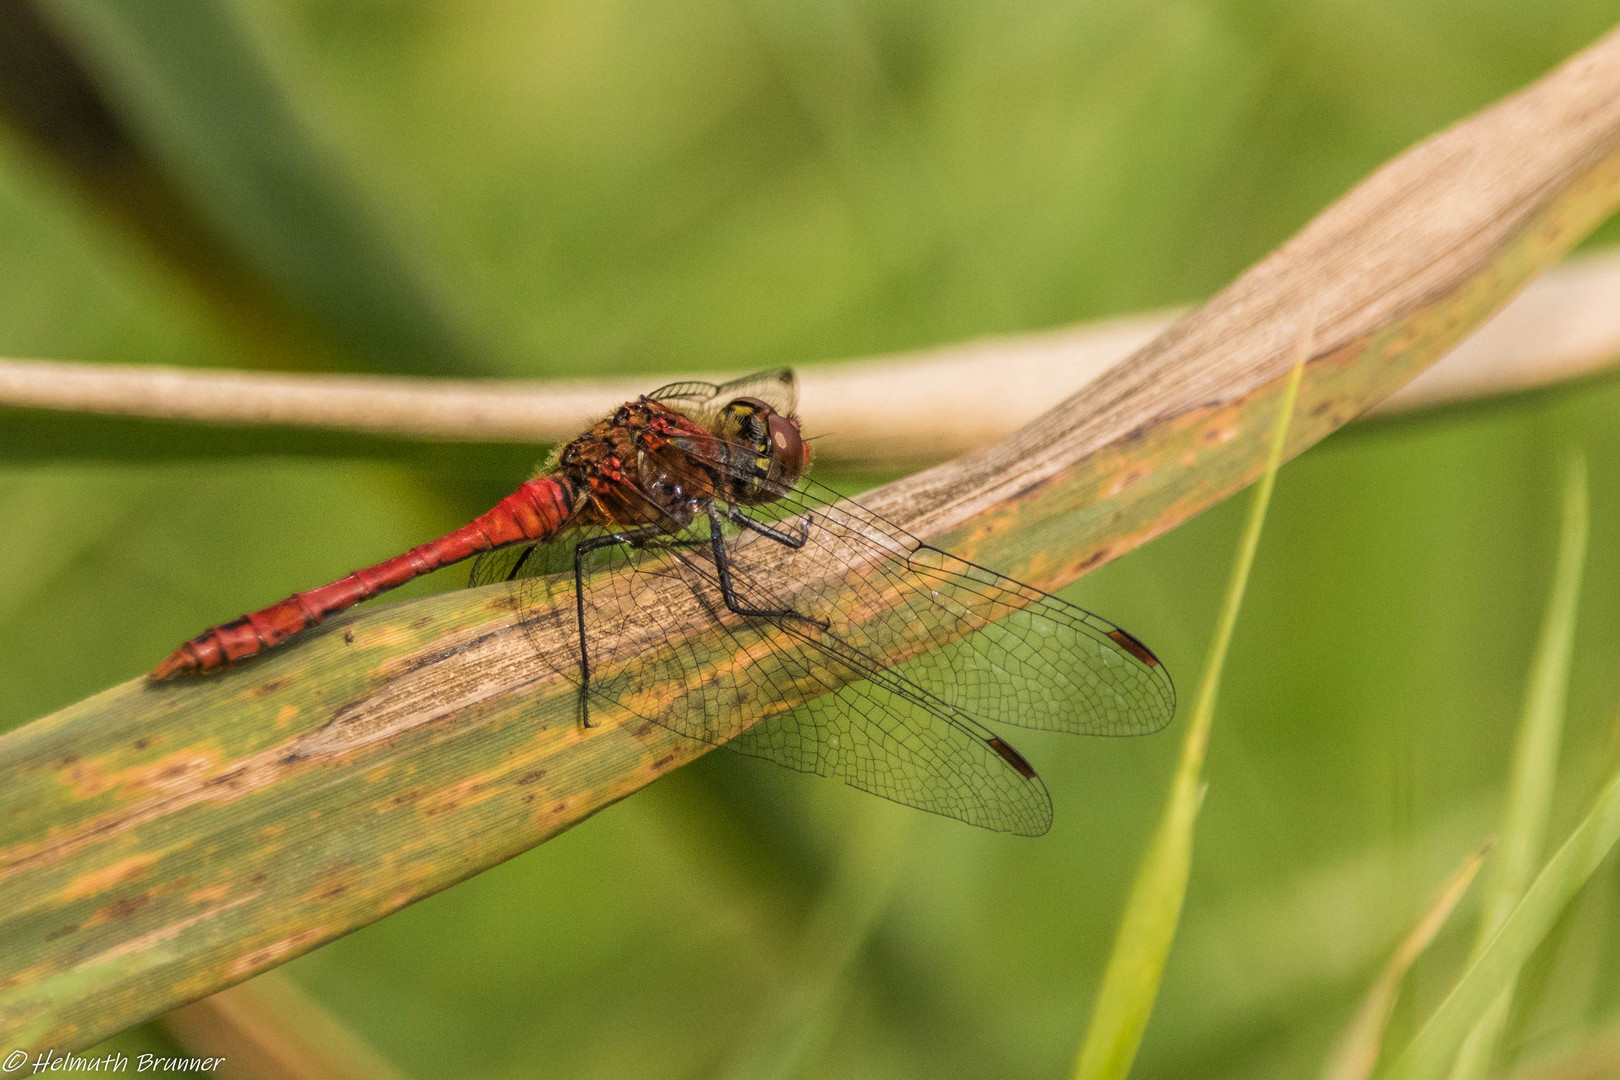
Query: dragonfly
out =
(861, 652)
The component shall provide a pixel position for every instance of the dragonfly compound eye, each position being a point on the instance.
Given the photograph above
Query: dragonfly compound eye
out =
(780, 453)
(787, 446)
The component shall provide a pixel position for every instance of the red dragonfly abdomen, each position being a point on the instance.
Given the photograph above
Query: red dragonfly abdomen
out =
(534, 512)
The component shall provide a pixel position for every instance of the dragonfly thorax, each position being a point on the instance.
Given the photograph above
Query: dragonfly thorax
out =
(637, 469)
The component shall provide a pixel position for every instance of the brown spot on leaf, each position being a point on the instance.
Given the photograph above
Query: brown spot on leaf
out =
(427, 660)
(99, 880)
(279, 950)
(122, 909)
(1091, 560)
(61, 932)
(1028, 491)
(172, 772)
(1125, 480)
(531, 776)
(208, 894)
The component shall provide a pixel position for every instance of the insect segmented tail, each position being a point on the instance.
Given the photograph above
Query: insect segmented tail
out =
(534, 512)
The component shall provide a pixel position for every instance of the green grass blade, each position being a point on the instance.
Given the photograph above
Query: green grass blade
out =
(1131, 981)
(1535, 763)
(1359, 1047)
(1432, 1051)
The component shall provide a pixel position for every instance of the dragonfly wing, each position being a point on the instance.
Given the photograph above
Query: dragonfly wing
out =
(776, 387)
(881, 735)
(860, 721)
(689, 392)
(994, 648)
(1027, 658)
(828, 710)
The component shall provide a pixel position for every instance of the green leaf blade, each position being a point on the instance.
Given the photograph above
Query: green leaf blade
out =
(1130, 983)
(1534, 771)
(1357, 1052)
(1432, 1050)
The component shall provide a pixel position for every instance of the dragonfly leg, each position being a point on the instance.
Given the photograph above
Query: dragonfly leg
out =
(523, 558)
(788, 539)
(636, 538)
(722, 566)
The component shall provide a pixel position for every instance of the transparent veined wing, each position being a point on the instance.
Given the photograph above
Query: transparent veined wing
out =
(885, 660)
(777, 387)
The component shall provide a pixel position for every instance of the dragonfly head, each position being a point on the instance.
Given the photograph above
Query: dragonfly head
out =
(775, 453)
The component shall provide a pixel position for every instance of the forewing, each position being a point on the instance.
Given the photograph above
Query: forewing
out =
(1028, 658)
(994, 648)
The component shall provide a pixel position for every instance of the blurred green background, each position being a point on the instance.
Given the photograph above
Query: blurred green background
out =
(592, 187)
